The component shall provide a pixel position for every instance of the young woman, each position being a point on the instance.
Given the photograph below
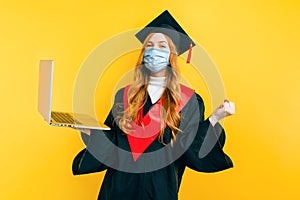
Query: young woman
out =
(157, 130)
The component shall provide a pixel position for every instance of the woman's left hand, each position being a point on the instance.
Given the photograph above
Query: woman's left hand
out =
(224, 110)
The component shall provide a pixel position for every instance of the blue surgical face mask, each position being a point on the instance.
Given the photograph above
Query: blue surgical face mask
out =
(156, 60)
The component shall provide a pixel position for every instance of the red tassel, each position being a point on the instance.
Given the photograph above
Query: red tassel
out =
(188, 60)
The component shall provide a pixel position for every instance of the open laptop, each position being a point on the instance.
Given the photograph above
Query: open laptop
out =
(55, 118)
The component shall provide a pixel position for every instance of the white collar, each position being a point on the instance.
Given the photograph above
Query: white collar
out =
(156, 87)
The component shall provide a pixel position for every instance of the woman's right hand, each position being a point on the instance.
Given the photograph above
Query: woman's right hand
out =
(84, 130)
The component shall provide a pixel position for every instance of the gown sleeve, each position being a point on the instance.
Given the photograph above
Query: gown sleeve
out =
(205, 153)
(85, 161)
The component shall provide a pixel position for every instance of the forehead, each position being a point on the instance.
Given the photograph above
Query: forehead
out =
(158, 37)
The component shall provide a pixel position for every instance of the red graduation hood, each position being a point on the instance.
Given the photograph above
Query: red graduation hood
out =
(148, 128)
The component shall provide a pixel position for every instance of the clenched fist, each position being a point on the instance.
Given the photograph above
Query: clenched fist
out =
(224, 110)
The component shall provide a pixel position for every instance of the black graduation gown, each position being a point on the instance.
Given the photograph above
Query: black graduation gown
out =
(162, 183)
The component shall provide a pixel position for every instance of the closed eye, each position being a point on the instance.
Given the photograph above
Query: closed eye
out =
(149, 44)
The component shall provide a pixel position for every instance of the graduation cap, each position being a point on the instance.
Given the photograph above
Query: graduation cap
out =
(166, 24)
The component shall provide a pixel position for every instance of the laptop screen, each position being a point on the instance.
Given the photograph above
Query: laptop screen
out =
(45, 88)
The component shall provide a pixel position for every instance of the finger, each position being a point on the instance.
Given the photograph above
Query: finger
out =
(229, 108)
(232, 107)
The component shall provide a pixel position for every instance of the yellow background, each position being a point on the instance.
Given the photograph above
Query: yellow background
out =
(255, 45)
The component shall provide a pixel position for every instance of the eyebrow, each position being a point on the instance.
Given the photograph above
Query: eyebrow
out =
(162, 41)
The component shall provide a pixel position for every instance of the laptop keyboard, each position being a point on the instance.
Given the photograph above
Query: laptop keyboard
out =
(65, 118)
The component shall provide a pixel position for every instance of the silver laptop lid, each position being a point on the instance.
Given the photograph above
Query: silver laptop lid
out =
(45, 88)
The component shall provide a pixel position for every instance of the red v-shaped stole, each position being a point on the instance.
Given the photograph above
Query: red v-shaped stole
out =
(148, 128)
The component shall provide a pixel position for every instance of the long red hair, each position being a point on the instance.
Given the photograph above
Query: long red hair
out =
(170, 97)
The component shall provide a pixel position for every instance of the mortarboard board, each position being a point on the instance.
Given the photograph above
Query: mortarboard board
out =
(165, 23)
